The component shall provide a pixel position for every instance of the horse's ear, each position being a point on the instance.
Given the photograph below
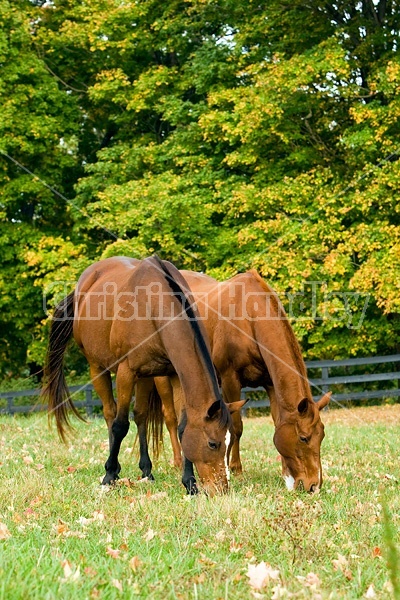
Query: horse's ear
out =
(324, 400)
(213, 410)
(236, 406)
(303, 406)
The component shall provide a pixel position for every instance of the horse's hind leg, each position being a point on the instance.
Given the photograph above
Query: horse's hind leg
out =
(102, 384)
(231, 393)
(144, 388)
(126, 380)
(167, 394)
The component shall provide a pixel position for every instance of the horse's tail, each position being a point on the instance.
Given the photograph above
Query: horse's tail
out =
(56, 389)
(155, 420)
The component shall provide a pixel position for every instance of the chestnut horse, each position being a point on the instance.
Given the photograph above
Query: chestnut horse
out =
(253, 344)
(133, 318)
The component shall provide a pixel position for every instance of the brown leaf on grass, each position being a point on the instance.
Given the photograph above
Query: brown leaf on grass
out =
(70, 574)
(260, 575)
(311, 580)
(90, 572)
(71, 469)
(376, 552)
(98, 515)
(158, 496)
(199, 578)
(220, 536)
(235, 547)
(4, 532)
(28, 460)
(117, 584)
(62, 529)
(135, 563)
(113, 552)
(205, 560)
(149, 535)
(36, 501)
(340, 563)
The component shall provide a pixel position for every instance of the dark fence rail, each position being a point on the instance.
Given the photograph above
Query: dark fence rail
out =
(345, 385)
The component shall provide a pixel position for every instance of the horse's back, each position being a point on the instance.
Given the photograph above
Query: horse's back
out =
(111, 269)
(96, 299)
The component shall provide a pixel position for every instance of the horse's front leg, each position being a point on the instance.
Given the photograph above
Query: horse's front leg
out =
(188, 478)
(126, 380)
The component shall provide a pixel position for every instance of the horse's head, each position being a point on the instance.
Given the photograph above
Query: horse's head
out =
(206, 441)
(298, 440)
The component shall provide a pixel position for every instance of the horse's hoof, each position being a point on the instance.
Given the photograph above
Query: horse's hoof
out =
(109, 479)
(236, 469)
(192, 489)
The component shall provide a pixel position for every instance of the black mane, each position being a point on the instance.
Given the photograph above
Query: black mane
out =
(180, 294)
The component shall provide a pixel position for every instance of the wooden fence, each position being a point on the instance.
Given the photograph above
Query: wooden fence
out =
(350, 380)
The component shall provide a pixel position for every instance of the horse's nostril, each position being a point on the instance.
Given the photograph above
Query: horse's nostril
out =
(313, 488)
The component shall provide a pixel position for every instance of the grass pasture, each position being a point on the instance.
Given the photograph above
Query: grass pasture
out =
(64, 536)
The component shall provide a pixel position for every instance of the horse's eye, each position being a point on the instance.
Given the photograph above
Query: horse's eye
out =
(303, 439)
(213, 445)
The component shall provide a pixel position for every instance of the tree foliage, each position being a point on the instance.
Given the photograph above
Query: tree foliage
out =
(222, 135)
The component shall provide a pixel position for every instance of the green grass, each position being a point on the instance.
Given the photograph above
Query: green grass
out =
(70, 538)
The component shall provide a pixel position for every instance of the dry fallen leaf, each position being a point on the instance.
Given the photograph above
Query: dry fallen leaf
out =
(340, 563)
(280, 592)
(4, 533)
(261, 574)
(117, 584)
(114, 553)
(149, 535)
(370, 593)
(69, 573)
(235, 547)
(135, 563)
(311, 580)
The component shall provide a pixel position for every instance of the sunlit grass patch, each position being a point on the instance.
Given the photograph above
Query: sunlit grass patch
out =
(70, 537)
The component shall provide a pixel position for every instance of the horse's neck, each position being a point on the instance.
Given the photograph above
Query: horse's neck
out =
(197, 387)
(285, 365)
(197, 383)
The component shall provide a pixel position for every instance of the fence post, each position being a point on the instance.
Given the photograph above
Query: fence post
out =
(88, 401)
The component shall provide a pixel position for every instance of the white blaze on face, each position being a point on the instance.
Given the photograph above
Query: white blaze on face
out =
(227, 442)
(289, 480)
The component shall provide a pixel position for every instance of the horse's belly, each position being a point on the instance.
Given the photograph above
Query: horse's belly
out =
(253, 376)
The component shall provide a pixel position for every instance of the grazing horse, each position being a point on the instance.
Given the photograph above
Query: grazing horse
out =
(253, 344)
(133, 318)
